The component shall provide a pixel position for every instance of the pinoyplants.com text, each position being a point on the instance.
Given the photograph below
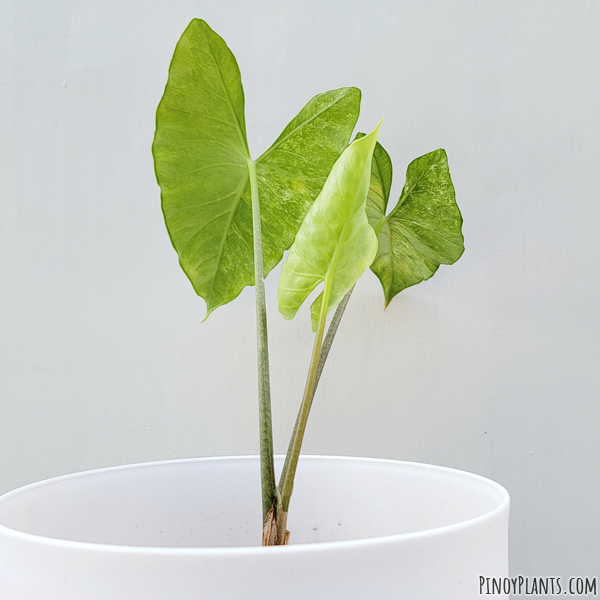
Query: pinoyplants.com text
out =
(538, 586)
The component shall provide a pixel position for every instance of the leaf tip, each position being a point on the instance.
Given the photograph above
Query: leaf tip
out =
(201, 22)
(375, 131)
(352, 91)
(210, 307)
(387, 299)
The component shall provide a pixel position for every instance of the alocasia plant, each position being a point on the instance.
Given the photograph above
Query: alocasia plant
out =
(231, 218)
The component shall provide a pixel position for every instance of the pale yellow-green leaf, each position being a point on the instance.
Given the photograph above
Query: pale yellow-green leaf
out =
(335, 243)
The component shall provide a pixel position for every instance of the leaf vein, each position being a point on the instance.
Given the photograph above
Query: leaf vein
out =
(433, 231)
(215, 165)
(192, 206)
(209, 117)
(278, 143)
(200, 230)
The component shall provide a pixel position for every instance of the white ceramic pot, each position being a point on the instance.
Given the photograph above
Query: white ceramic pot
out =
(361, 529)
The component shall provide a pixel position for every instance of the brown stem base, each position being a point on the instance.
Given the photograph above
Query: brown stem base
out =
(274, 529)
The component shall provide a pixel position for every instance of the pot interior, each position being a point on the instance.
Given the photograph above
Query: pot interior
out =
(216, 502)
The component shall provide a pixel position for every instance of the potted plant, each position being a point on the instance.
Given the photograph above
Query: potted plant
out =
(190, 529)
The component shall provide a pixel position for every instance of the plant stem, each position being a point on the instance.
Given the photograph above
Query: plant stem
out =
(380, 224)
(270, 493)
(327, 343)
(286, 483)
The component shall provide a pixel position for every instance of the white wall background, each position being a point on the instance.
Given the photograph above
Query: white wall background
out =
(491, 366)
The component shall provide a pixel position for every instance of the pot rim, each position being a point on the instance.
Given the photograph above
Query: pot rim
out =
(254, 550)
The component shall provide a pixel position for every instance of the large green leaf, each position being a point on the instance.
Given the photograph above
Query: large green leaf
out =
(335, 243)
(423, 230)
(201, 160)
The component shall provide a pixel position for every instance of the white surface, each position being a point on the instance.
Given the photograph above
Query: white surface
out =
(146, 532)
(490, 367)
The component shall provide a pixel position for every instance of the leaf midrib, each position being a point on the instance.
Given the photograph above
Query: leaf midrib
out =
(229, 102)
(409, 234)
(240, 193)
(433, 231)
(244, 183)
(385, 219)
(284, 139)
(405, 196)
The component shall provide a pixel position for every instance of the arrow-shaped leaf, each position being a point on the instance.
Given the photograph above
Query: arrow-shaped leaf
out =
(201, 159)
(335, 243)
(423, 230)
